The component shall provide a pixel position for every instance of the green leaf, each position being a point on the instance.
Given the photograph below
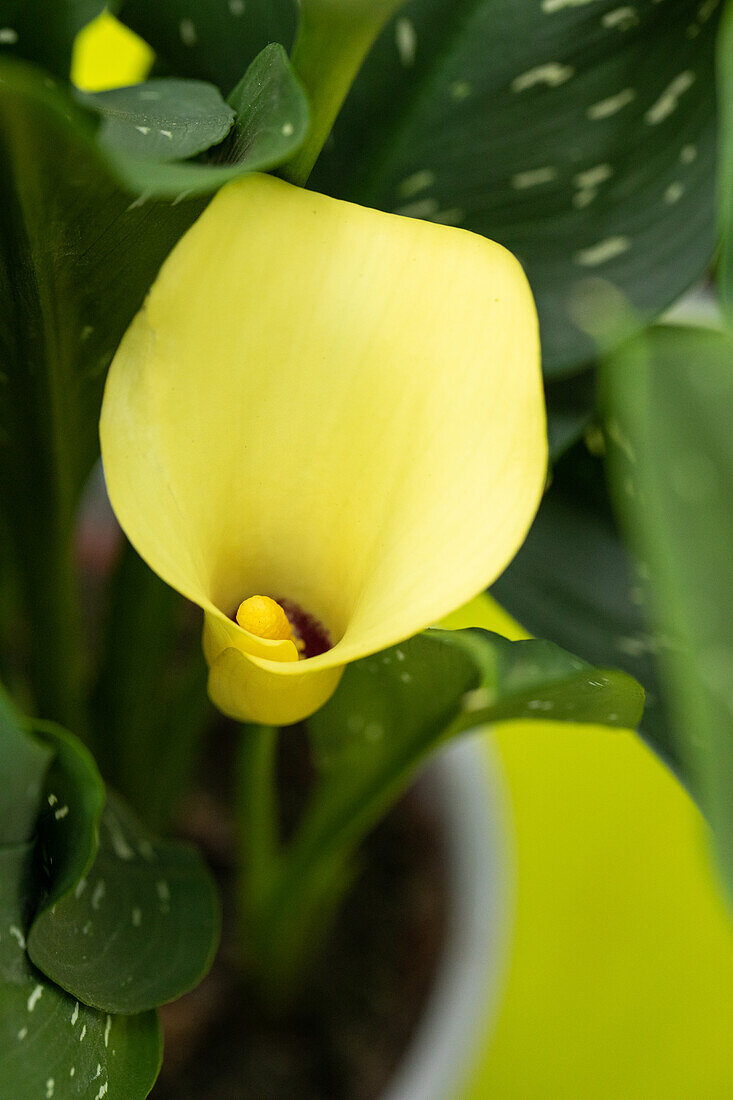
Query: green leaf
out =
(581, 136)
(670, 404)
(150, 705)
(53, 1046)
(213, 41)
(390, 711)
(272, 122)
(43, 31)
(68, 826)
(23, 765)
(162, 119)
(570, 410)
(272, 112)
(142, 927)
(78, 254)
(574, 581)
(724, 272)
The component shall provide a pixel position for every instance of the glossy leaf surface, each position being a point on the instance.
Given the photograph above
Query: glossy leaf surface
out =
(53, 1046)
(162, 119)
(580, 135)
(139, 930)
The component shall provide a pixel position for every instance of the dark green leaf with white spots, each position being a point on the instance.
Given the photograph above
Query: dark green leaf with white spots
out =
(139, 930)
(52, 1046)
(212, 41)
(68, 825)
(579, 133)
(272, 119)
(670, 399)
(163, 119)
(43, 31)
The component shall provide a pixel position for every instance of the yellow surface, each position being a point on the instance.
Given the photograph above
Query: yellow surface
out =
(108, 55)
(330, 405)
(620, 978)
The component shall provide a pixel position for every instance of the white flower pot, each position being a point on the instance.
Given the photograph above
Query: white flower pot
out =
(466, 782)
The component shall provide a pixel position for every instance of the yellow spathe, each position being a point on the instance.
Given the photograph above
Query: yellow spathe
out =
(330, 405)
(619, 983)
(109, 55)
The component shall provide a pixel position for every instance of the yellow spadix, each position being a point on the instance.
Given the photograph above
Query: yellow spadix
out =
(334, 405)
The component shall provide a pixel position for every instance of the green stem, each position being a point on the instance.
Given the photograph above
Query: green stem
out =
(334, 37)
(256, 807)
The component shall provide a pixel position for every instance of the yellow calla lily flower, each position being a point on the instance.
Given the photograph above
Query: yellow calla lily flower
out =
(332, 407)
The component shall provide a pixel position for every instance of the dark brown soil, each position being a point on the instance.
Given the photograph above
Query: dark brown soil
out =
(363, 1000)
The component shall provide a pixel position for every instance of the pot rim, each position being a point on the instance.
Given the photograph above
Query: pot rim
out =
(467, 784)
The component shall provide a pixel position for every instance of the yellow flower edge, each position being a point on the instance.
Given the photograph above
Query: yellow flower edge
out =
(332, 405)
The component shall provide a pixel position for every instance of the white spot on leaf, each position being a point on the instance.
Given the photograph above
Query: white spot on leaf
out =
(460, 90)
(423, 208)
(602, 252)
(707, 9)
(611, 106)
(117, 838)
(533, 177)
(18, 935)
(674, 192)
(552, 74)
(406, 41)
(417, 182)
(592, 177)
(622, 19)
(187, 31)
(550, 6)
(99, 891)
(670, 97)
